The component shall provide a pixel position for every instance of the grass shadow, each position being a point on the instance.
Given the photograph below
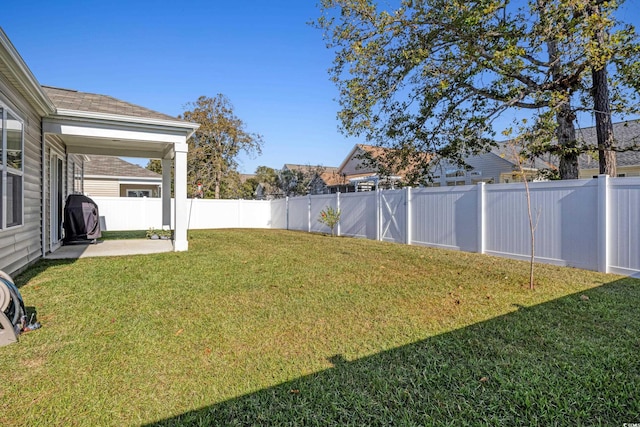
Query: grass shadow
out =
(574, 360)
(26, 276)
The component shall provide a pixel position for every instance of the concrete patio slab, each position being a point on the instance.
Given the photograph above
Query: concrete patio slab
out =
(112, 248)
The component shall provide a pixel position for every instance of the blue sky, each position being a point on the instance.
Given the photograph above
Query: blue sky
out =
(262, 55)
(162, 54)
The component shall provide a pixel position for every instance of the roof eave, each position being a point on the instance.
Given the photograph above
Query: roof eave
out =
(18, 68)
(188, 127)
(180, 127)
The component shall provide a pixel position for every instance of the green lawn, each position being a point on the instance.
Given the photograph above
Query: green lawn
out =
(264, 327)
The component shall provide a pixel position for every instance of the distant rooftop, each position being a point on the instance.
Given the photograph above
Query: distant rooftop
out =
(309, 168)
(69, 99)
(626, 134)
(115, 167)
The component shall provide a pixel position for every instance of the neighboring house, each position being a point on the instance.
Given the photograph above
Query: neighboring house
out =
(303, 179)
(45, 132)
(110, 176)
(491, 168)
(509, 170)
(330, 181)
(626, 134)
(358, 172)
(497, 166)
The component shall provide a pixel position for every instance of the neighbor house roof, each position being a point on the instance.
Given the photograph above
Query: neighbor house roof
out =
(109, 166)
(333, 178)
(626, 134)
(309, 168)
(69, 99)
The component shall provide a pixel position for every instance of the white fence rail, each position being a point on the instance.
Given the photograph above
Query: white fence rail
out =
(591, 224)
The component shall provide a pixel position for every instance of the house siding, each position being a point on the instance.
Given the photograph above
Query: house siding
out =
(357, 165)
(101, 187)
(621, 170)
(73, 160)
(490, 165)
(22, 245)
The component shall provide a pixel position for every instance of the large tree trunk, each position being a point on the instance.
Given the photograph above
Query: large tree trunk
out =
(604, 126)
(566, 131)
(217, 180)
(566, 135)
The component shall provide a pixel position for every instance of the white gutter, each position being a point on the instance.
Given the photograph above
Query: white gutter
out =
(125, 177)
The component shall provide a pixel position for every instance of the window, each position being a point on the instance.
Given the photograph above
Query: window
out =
(138, 193)
(77, 177)
(453, 173)
(11, 168)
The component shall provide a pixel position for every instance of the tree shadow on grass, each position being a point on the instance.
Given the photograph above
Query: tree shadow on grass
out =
(571, 361)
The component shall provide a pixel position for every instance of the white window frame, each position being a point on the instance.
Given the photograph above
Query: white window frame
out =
(6, 170)
(56, 231)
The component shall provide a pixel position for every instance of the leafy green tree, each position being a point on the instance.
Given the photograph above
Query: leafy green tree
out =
(296, 180)
(248, 189)
(432, 76)
(214, 148)
(268, 178)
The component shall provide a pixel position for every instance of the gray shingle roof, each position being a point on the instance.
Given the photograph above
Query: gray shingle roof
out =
(69, 99)
(626, 134)
(115, 166)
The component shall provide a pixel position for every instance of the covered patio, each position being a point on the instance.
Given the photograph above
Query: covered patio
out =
(112, 248)
(86, 123)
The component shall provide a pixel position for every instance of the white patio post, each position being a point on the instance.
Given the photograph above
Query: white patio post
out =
(166, 192)
(180, 242)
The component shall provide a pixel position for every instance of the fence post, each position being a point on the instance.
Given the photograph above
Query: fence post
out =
(286, 212)
(309, 215)
(481, 214)
(408, 214)
(603, 223)
(338, 208)
(378, 215)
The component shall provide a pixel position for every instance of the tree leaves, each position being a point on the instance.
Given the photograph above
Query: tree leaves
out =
(436, 75)
(213, 149)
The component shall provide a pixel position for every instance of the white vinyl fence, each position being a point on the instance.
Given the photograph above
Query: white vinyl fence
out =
(133, 213)
(591, 224)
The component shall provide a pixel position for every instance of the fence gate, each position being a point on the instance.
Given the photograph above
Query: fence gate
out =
(393, 215)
